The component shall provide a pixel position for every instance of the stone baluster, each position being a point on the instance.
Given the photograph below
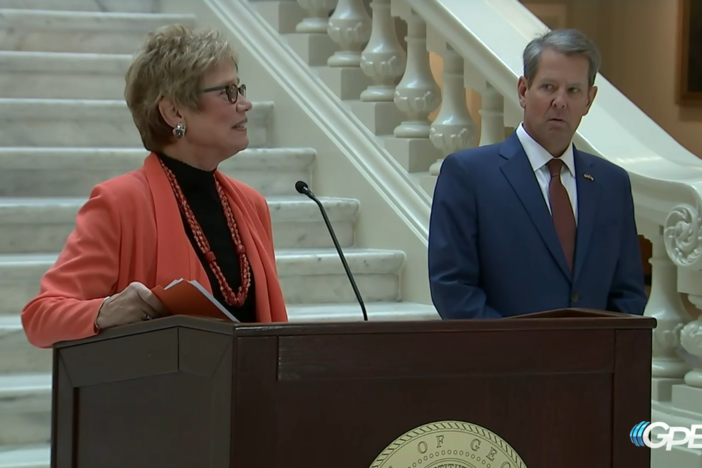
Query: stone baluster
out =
(454, 128)
(691, 341)
(417, 95)
(350, 28)
(492, 127)
(683, 243)
(317, 16)
(665, 305)
(383, 60)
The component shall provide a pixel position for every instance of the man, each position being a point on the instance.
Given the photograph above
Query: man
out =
(533, 224)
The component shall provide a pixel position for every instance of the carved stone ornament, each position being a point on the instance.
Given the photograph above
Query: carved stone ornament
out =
(691, 341)
(682, 235)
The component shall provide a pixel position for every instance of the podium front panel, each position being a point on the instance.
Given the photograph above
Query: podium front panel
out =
(339, 400)
(169, 404)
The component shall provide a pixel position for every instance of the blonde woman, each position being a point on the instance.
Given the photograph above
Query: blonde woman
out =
(175, 217)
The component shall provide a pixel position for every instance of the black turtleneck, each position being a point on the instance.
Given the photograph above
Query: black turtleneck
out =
(200, 191)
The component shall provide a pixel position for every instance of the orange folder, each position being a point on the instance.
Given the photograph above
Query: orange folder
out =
(183, 297)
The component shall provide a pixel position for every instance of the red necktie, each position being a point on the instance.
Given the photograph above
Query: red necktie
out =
(562, 211)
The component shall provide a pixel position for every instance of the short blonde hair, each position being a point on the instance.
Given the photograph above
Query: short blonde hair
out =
(171, 63)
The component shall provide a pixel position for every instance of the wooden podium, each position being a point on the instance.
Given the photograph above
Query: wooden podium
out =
(562, 388)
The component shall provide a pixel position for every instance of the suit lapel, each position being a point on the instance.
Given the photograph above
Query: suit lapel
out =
(521, 177)
(587, 203)
(175, 257)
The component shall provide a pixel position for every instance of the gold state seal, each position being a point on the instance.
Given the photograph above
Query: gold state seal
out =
(449, 444)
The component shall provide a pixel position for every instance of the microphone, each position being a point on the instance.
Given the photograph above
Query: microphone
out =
(302, 188)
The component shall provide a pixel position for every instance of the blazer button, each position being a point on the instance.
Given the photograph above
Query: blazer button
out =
(574, 297)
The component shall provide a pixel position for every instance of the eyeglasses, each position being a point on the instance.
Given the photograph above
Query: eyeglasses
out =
(233, 91)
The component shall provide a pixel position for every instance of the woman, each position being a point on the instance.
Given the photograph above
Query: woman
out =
(176, 216)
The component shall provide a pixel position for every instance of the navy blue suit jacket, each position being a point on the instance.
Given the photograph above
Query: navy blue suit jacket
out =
(493, 247)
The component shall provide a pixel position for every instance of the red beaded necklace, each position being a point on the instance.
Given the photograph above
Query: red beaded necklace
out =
(230, 297)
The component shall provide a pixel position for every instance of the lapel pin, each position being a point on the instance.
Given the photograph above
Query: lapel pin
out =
(589, 177)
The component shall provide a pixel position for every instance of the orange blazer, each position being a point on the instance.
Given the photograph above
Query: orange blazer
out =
(129, 230)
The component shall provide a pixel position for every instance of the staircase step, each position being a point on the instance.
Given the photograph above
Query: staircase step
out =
(56, 75)
(16, 354)
(134, 6)
(42, 225)
(317, 276)
(76, 31)
(283, 16)
(25, 409)
(73, 172)
(307, 276)
(21, 456)
(377, 312)
(90, 123)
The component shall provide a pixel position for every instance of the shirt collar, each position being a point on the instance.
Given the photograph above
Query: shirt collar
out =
(537, 154)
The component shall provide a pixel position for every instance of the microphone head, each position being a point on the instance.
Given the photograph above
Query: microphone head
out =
(301, 187)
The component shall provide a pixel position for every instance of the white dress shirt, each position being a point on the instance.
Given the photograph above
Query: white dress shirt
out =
(539, 157)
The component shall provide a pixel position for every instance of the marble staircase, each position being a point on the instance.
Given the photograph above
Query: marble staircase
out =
(64, 128)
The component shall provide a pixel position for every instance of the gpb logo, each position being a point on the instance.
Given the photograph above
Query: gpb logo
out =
(637, 432)
(641, 435)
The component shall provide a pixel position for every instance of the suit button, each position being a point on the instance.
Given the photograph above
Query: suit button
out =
(574, 297)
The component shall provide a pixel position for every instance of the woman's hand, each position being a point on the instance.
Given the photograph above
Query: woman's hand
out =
(135, 304)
